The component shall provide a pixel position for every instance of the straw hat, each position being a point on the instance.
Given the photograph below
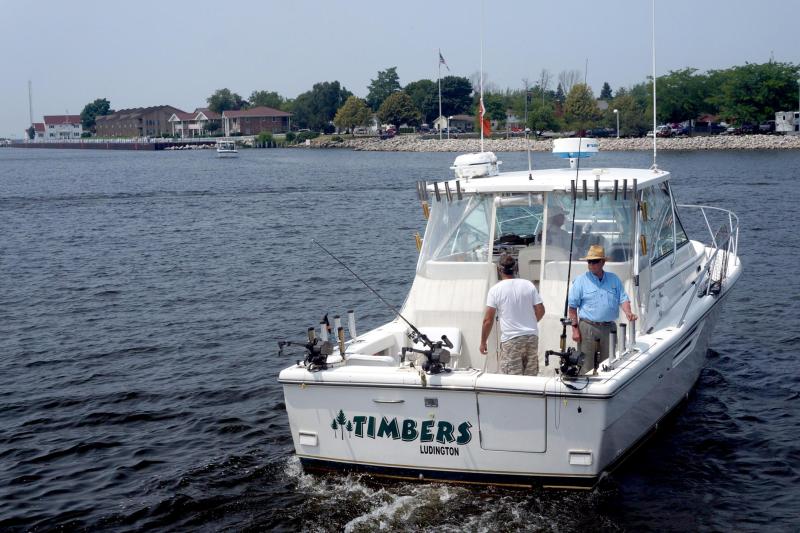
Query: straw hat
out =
(595, 252)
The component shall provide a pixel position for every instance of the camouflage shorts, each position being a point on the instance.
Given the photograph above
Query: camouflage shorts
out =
(520, 356)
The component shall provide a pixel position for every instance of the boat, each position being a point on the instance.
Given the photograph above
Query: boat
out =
(226, 148)
(414, 398)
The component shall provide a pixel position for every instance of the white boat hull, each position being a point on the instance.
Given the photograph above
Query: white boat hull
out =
(491, 428)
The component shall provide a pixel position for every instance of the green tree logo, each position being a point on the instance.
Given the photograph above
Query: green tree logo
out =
(342, 420)
(349, 429)
(334, 427)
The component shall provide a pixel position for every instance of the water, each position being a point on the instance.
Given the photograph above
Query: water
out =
(142, 295)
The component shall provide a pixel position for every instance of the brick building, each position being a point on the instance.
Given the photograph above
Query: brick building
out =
(255, 120)
(137, 122)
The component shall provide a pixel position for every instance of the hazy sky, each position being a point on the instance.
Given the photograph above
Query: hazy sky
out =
(178, 52)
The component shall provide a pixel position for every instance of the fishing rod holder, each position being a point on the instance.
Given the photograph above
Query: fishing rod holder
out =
(436, 356)
(317, 352)
(569, 364)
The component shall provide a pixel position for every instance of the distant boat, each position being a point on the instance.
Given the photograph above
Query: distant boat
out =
(226, 148)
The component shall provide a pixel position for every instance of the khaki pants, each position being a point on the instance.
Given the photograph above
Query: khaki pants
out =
(520, 356)
(588, 334)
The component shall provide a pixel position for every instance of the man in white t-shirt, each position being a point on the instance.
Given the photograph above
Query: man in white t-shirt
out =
(519, 306)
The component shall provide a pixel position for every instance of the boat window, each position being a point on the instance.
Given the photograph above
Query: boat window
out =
(458, 230)
(519, 219)
(658, 225)
(606, 222)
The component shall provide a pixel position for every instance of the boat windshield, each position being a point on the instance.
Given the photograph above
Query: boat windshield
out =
(519, 219)
(458, 230)
(602, 221)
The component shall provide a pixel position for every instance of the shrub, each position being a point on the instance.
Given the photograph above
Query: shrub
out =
(303, 135)
(265, 138)
(327, 129)
(86, 134)
(337, 139)
(290, 136)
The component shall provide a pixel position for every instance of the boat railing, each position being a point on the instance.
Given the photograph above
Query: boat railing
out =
(728, 232)
(724, 245)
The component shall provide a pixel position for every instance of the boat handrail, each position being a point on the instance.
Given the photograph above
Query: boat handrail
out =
(733, 226)
(727, 239)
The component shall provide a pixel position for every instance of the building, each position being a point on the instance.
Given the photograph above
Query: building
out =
(199, 123)
(787, 122)
(38, 128)
(60, 127)
(465, 123)
(255, 120)
(137, 122)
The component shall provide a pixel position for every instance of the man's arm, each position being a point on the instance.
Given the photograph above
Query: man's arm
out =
(572, 313)
(488, 322)
(626, 308)
(538, 310)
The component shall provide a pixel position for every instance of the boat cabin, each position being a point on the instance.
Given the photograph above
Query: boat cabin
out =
(481, 214)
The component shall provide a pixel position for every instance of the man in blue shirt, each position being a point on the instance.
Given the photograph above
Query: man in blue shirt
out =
(596, 296)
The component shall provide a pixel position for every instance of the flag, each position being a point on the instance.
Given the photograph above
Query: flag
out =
(442, 61)
(487, 128)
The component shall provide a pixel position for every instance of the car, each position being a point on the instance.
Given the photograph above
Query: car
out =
(387, 134)
(767, 127)
(360, 131)
(748, 129)
(601, 132)
(664, 131)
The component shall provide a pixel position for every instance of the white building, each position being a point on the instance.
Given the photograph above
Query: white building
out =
(787, 122)
(60, 127)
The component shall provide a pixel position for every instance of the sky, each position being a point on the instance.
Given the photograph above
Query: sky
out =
(145, 53)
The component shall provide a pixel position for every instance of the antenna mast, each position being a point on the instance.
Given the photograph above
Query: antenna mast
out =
(655, 166)
(30, 101)
(480, 102)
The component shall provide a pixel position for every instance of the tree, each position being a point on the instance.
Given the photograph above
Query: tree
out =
(632, 118)
(92, 110)
(349, 428)
(456, 95)
(542, 115)
(31, 132)
(495, 106)
(567, 79)
(354, 112)
(605, 92)
(753, 92)
(315, 109)
(580, 108)
(334, 427)
(224, 99)
(425, 95)
(267, 99)
(399, 109)
(559, 96)
(381, 87)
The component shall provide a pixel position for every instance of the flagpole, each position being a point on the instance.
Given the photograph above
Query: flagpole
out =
(439, 62)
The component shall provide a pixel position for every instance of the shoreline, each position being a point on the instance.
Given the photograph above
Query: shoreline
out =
(412, 143)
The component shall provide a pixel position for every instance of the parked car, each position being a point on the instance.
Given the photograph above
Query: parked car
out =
(600, 132)
(388, 134)
(716, 129)
(767, 127)
(748, 129)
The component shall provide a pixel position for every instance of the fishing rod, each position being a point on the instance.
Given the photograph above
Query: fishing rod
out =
(418, 335)
(571, 359)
